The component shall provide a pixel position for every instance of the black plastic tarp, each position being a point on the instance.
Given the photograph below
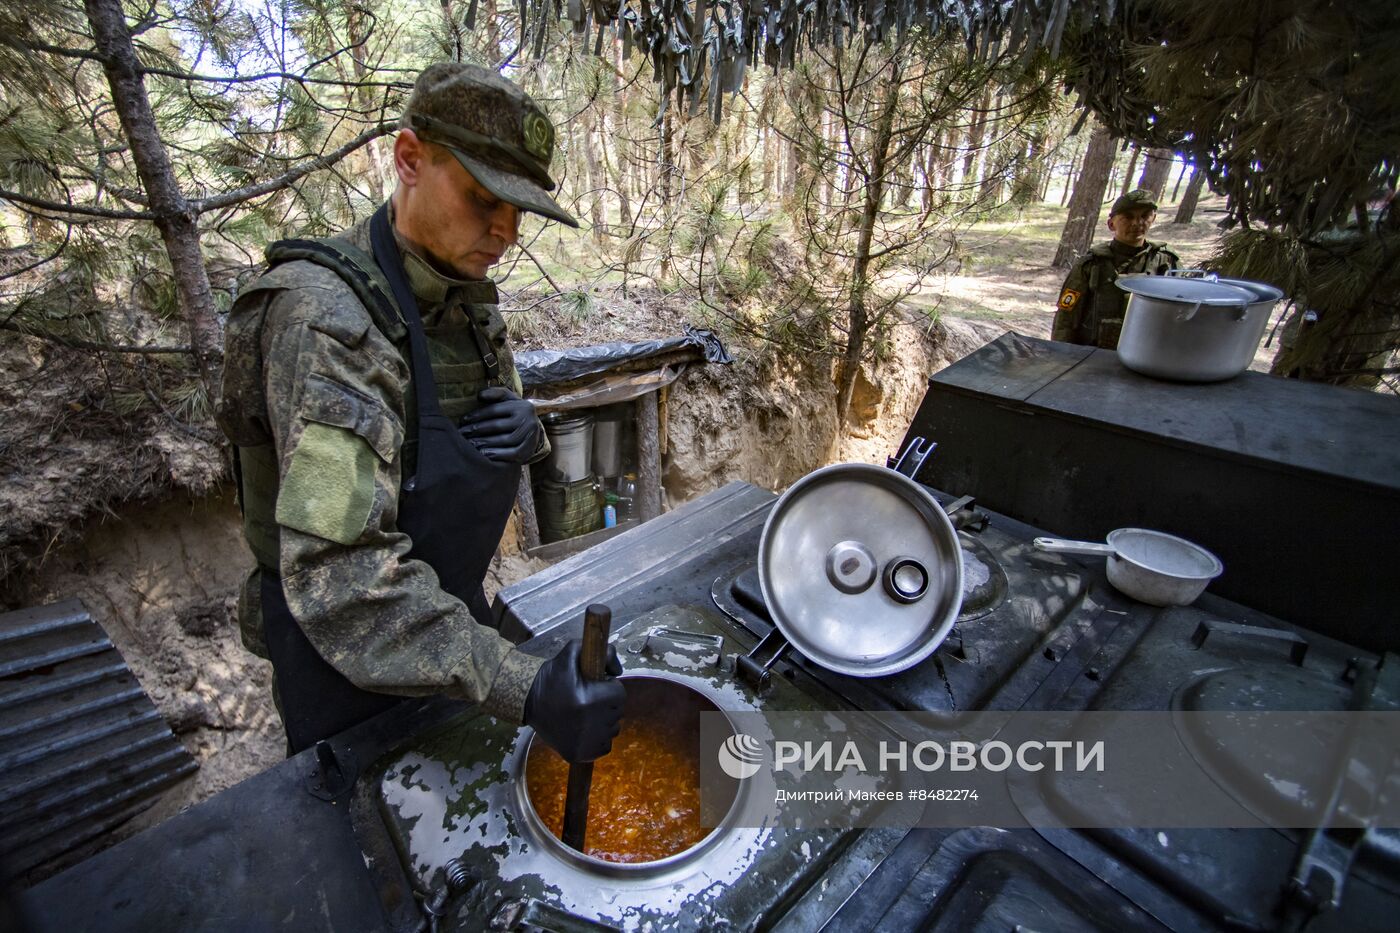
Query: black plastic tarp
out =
(549, 367)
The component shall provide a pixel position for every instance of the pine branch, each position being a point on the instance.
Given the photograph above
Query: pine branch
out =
(31, 45)
(204, 205)
(56, 207)
(76, 343)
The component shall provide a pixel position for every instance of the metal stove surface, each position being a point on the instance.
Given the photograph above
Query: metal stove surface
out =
(451, 796)
(1021, 614)
(1038, 632)
(1214, 655)
(1217, 655)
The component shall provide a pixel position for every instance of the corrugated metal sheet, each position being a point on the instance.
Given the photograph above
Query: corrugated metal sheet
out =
(82, 747)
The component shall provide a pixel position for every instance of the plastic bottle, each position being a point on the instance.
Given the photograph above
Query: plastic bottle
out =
(609, 516)
(626, 495)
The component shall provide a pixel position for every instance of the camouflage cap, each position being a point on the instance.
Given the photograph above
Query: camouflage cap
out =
(493, 128)
(1138, 197)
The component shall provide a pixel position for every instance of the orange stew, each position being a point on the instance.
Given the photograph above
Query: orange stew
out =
(645, 802)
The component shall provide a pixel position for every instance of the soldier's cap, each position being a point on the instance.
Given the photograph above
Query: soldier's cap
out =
(1138, 197)
(498, 133)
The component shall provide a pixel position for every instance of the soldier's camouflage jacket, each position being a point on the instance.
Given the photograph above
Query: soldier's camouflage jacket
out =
(1090, 309)
(317, 399)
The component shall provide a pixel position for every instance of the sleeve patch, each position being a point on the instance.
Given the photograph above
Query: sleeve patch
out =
(329, 487)
(328, 402)
(1069, 298)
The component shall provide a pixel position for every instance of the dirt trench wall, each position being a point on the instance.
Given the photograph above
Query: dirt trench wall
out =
(161, 579)
(771, 423)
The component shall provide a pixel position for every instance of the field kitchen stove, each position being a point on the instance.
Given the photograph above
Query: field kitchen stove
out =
(449, 801)
(415, 820)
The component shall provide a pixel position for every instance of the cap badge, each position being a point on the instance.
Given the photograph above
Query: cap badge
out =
(539, 135)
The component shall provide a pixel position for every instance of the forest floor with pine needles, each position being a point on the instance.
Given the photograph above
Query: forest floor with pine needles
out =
(1006, 276)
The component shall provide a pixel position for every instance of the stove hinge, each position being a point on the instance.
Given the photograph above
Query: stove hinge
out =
(755, 668)
(1365, 775)
(1297, 644)
(527, 915)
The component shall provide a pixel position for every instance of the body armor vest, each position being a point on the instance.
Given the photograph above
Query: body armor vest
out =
(467, 345)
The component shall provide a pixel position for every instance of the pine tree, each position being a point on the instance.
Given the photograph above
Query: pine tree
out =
(1086, 203)
(193, 121)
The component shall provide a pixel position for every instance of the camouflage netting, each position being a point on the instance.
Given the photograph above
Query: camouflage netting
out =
(1292, 107)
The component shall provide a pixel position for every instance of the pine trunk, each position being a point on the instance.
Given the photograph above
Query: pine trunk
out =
(619, 167)
(993, 166)
(1073, 170)
(177, 223)
(1086, 203)
(1132, 166)
(770, 161)
(975, 134)
(935, 173)
(667, 163)
(596, 180)
(1187, 208)
(857, 314)
(667, 169)
(1031, 177)
(1180, 177)
(1155, 172)
(790, 168)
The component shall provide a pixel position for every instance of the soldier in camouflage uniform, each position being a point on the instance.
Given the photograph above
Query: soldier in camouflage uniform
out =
(371, 393)
(1090, 310)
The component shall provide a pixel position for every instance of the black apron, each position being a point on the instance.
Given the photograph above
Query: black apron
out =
(454, 509)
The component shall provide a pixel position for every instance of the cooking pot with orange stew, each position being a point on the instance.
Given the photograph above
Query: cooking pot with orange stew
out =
(644, 807)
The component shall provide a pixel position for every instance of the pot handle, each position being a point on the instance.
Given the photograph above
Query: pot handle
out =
(1188, 315)
(921, 449)
(1063, 546)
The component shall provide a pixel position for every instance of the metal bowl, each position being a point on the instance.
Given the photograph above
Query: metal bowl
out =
(861, 570)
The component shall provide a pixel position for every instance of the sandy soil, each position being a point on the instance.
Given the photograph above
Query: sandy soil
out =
(1006, 274)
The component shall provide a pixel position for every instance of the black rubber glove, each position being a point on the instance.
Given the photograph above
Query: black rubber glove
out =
(578, 718)
(504, 428)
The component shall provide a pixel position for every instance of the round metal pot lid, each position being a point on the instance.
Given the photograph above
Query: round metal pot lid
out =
(1186, 291)
(1262, 291)
(861, 570)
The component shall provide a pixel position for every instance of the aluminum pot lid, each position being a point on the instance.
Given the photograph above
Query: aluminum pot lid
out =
(861, 569)
(1186, 291)
(1261, 291)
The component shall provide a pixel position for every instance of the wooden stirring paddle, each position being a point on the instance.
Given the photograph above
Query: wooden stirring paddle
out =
(597, 620)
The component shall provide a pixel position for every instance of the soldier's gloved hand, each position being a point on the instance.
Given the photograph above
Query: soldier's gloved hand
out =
(578, 718)
(504, 428)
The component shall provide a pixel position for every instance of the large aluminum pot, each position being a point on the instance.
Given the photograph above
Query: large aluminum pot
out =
(861, 569)
(1193, 330)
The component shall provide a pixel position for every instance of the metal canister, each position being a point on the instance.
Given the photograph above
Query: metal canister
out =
(607, 441)
(571, 442)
